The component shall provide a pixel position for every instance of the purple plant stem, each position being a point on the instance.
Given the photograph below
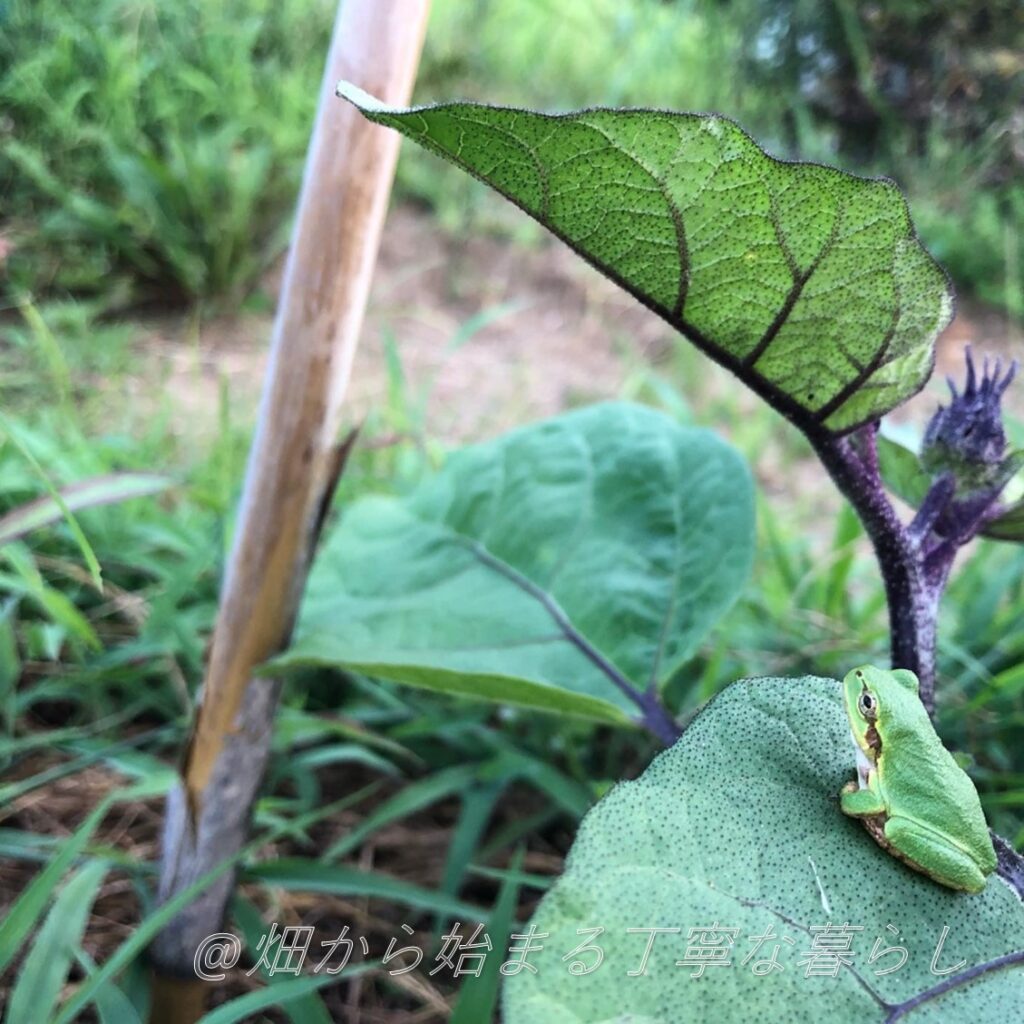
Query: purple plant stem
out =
(654, 716)
(914, 576)
(900, 1010)
(915, 565)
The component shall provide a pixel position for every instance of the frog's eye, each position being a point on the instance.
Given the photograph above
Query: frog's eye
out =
(867, 705)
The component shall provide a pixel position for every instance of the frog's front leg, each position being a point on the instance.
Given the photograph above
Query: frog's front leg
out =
(935, 856)
(860, 803)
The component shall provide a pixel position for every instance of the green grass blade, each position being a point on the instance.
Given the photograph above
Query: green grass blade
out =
(412, 798)
(29, 906)
(107, 489)
(540, 882)
(48, 346)
(84, 546)
(484, 318)
(57, 606)
(312, 876)
(339, 753)
(140, 939)
(843, 554)
(477, 807)
(304, 1009)
(112, 1005)
(571, 796)
(10, 673)
(147, 929)
(478, 997)
(245, 1007)
(46, 966)
(155, 786)
(516, 831)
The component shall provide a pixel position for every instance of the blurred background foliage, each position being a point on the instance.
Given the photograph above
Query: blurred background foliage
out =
(153, 151)
(150, 154)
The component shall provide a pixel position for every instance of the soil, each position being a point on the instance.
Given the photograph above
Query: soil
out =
(413, 851)
(562, 335)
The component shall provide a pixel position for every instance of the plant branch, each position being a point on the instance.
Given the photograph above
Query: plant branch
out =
(913, 588)
(955, 981)
(964, 452)
(293, 466)
(1010, 864)
(935, 503)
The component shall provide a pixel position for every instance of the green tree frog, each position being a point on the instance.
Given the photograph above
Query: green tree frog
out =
(911, 795)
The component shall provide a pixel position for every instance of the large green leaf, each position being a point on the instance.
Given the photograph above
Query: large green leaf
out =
(534, 568)
(738, 826)
(806, 282)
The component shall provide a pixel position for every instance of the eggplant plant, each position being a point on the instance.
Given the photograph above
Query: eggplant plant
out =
(573, 566)
(808, 283)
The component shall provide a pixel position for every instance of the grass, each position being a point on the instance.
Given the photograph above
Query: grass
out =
(152, 153)
(94, 692)
(384, 803)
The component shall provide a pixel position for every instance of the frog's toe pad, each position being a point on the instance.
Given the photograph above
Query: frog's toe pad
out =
(859, 803)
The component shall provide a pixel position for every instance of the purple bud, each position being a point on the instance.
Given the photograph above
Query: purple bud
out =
(967, 436)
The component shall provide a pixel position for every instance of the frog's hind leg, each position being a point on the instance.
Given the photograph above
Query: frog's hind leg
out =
(929, 853)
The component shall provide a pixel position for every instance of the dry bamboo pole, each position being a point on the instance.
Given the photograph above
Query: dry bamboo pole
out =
(293, 467)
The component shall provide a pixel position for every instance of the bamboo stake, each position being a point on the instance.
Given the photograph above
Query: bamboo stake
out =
(293, 467)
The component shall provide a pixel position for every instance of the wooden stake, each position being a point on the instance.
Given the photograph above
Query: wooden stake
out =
(291, 474)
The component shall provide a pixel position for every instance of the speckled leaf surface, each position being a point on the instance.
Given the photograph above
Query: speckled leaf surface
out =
(738, 826)
(637, 531)
(807, 282)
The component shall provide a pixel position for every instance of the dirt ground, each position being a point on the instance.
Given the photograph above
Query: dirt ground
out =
(567, 336)
(412, 850)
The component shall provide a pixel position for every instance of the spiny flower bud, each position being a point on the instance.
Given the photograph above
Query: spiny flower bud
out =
(966, 438)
